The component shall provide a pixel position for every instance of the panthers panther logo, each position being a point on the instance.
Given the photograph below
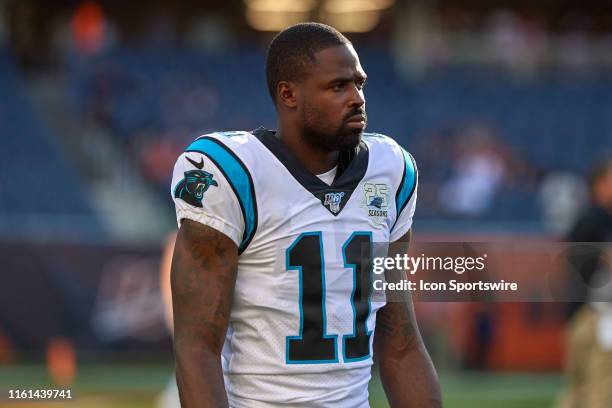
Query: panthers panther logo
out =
(191, 189)
(376, 202)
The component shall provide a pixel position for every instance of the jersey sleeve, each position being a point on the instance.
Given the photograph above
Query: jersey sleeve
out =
(202, 193)
(405, 198)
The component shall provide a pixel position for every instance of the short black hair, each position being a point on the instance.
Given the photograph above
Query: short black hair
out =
(293, 49)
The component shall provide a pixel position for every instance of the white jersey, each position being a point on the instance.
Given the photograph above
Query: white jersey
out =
(302, 323)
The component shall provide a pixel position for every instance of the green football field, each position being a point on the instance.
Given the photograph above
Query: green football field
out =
(136, 386)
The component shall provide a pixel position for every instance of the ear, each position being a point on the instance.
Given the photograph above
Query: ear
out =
(287, 93)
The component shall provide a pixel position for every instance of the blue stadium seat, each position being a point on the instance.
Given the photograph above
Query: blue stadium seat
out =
(559, 122)
(35, 179)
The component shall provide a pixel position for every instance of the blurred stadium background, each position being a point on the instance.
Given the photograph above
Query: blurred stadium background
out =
(504, 104)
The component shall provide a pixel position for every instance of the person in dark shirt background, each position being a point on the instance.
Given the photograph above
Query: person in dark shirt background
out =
(588, 359)
(594, 225)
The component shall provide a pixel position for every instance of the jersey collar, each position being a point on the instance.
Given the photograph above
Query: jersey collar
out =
(352, 167)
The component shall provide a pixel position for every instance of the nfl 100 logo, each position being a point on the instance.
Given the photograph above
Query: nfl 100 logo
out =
(333, 200)
(375, 201)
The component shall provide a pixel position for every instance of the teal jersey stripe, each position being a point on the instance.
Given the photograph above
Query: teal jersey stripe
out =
(408, 183)
(238, 177)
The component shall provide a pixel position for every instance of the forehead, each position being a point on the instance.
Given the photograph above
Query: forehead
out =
(339, 61)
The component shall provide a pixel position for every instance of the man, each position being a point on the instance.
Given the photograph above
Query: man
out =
(589, 336)
(169, 397)
(270, 308)
(594, 225)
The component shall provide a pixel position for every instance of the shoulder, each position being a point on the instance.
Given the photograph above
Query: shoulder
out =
(386, 152)
(378, 139)
(220, 160)
(234, 141)
(383, 147)
(230, 151)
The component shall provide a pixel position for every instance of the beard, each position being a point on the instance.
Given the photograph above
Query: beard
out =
(331, 137)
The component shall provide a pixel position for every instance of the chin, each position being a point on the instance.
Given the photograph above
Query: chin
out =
(355, 135)
(343, 139)
(350, 140)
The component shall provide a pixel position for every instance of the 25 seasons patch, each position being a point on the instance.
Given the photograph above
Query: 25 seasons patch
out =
(375, 201)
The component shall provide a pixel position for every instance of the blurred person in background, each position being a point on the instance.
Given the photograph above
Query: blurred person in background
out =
(479, 171)
(594, 225)
(589, 339)
(588, 363)
(169, 397)
(562, 196)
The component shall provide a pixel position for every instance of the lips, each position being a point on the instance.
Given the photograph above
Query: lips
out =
(356, 118)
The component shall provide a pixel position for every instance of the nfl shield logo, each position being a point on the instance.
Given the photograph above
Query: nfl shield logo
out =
(333, 201)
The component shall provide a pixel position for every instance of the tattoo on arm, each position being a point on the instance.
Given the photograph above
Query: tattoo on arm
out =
(203, 278)
(396, 324)
(406, 371)
(396, 327)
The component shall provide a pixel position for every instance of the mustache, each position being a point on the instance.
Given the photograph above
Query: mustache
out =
(358, 111)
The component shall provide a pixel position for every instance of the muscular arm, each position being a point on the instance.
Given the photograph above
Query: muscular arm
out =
(406, 371)
(203, 277)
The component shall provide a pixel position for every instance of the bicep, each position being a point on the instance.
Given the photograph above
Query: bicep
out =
(202, 278)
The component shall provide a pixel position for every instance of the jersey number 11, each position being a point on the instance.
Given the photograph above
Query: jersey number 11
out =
(313, 345)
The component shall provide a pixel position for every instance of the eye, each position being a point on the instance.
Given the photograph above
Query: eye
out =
(338, 87)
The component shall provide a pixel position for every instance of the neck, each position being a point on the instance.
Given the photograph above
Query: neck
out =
(315, 159)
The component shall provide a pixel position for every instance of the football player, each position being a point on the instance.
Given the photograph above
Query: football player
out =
(272, 306)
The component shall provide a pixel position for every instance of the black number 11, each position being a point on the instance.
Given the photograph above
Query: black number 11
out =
(313, 345)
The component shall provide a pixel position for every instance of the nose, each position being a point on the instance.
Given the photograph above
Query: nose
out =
(357, 99)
